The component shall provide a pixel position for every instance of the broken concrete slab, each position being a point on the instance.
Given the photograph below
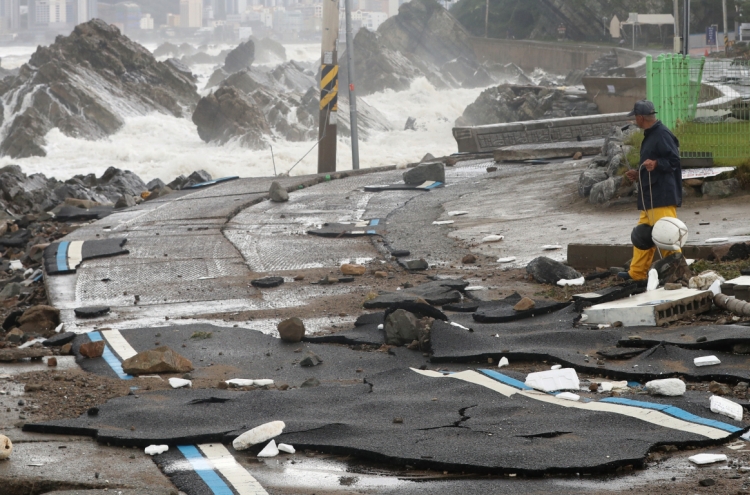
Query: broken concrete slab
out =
(17, 354)
(91, 311)
(503, 312)
(522, 152)
(59, 340)
(651, 308)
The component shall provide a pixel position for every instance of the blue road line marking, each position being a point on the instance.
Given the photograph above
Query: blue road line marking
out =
(506, 379)
(433, 186)
(109, 357)
(62, 256)
(212, 182)
(374, 222)
(676, 412)
(204, 469)
(371, 232)
(634, 385)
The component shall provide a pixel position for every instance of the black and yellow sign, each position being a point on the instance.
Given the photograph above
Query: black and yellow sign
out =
(329, 87)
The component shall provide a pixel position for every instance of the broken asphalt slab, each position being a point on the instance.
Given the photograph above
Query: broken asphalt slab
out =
(64, 257)
(437, 292)
(365, 227)
(490, 426)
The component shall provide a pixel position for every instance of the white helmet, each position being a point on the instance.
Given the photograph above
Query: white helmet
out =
(669, 234)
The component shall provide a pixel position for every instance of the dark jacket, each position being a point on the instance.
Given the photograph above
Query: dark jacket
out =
(666, 180)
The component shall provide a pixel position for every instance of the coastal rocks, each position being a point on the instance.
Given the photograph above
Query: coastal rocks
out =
(548, 271)
(40, 320)
(604, 191)
(159, 360)
(588, 179)
(241, 57)
(720, 187)
(84, 84)
(291, 330)
(277, 193)
(434, 171)
(228, 114)
(349, 269)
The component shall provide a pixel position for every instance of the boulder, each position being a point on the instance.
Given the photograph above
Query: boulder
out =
(228, 114)
(548, 271)
(240, 58)
(720, 187)
(92, 350)
(401, 328)
(588, 179)
(159, 360)
(417, 265)
(604, 191)
(348, 269)
(433, 171)
(291, 330)
(125, 201)
(268, 51)
(277, 193)
(40, 320)
(668, 386)
(85, 85)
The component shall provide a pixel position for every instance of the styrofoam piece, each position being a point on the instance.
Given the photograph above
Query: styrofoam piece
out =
(259, 434)
(715, 287)
(653, 280)
(672, 387)
(714, 240)
(720, 405)
(180, 383)
(269, 450)
(503, 362)
(568, 396)
(706, 361)
(472, 288)
(551, 247)
(574, 281)
(380, 327)
(509, 259)
(457, 213)
(239, 382)
(743, 280)
(621, 385)
(59, 328)
(262, 383)
(746, 437)
(493, 238)
(31, 342)
(553, 380)
(636, 310)
(156, 449)
(16, 265)
(605, 387)
(707, 458)
(458, 325)
(285, 447)
(689, 261)
(556, 367)
(28, 272)
(442, 222)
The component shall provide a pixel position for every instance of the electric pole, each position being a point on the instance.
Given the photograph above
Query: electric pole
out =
(486, 16)
(676, 43)
(352, 96)
(726, 27)
(686, 27)
(329, 88)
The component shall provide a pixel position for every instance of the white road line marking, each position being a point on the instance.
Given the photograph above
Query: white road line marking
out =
(242, 481)
(118, 344)
(74, 254)
(648, 415)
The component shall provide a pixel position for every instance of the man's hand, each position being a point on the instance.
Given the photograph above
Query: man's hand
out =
(650, 165)
(632, 175)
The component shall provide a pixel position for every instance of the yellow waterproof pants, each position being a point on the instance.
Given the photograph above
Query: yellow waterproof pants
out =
(642, 259)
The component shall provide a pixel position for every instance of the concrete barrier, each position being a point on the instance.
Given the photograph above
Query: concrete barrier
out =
(486, 138)
(615, 94)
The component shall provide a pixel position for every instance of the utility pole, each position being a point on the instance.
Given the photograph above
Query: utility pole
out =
(329, 88)
(686, 27)
(486, 16)
(352, 96)
(676, 43)
(726, 27)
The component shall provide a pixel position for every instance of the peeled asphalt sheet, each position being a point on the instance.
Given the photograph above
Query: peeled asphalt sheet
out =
(448, 424)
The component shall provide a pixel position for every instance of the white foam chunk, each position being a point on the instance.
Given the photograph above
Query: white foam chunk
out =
(156, 449)
(503, 362)
(668, 386)
(551, 247)
(509, 259)
(442, 222)
(380, 327)
(552, 380)
(240, 382)
(720, 405)
(556, 367)
(180, 382)
(259, 434)
(605, 387)
(493, 238)
(570, 282)
(717, 239)
(622, 385)
(653, 280)
(16, 265)
(285, 447)
(458, 325)
(706, 361)
(568, 396)
(472, 288)
(715, 287)
(59, 328)
(457, 213)
(269, 450)
(707, 458)
(262, 383)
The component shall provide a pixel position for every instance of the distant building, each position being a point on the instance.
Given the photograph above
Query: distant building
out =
(10, 16)
(147, 22)
(128, 14)
(47, 13)
(191, 13)
(173, 20)
(78, 11)
(235, 7)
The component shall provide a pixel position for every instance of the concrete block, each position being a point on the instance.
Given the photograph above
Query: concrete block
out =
(553, 380)
(720, 405)
(652, 308)
(706, 361)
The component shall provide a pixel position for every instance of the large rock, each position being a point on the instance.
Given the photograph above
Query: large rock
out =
(673, 269)
(277, 193)
(548, 271)
(159, 360)
(229, 114)
(720, 187)
(41, 320)
(291, 330)
(85, 84)
(241, 57)
(588, 179)
(604, 191)
(434, 171)
(268, 51)
(401, 328)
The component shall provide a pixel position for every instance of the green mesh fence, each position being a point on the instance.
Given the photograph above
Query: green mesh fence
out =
(705, 102)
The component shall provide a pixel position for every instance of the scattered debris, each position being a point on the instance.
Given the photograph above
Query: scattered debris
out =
(277, 193)
(156, 449)
(91, 311)
(310, 360)
(269, 450)
(701, 459)
(553, 380)
(349, 269)
(267, 282)
(180, 383)
(503, 362)
(548, 271)
(469, 259)
(524, 304)
(569, 283)
(568, 396)
(431, 171)
(493, 238)
(259, 434)
(705, 280)
(509, 259)
(720, 405)
(441, 222)
(239, 382)
(283, 447)
(668, 386)
(706, 361)
(92, 350)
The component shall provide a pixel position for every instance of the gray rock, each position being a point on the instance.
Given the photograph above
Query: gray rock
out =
(291, 330)
(11, 290)
(720, 187)
(59, 340)
(198, 177)
(310, 360)
(241, 57)
(615, 164)
(125, 201)
(401, 328)
(278, 194)
(229, 114)
(310, 382)
(588, 178)
(155, 184)
(91, 311)
(604, 191)
(386, 299)
(419, 264)
(411, 124)
(434, 171)
(548, 271)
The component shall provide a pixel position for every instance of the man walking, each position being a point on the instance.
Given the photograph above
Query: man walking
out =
(660, 188)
